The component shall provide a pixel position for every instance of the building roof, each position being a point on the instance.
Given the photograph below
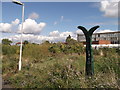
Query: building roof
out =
(104, 33)
(20, 43)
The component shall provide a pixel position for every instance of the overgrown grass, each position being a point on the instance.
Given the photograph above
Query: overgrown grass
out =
(43, 69)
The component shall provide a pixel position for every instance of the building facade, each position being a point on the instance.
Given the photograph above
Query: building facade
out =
(102, 38)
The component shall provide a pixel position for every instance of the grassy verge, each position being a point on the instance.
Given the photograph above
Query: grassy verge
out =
(59, 70)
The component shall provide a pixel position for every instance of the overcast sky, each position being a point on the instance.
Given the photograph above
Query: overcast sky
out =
(54, 21)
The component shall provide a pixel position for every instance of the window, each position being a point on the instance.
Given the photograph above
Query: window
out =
(98, 35)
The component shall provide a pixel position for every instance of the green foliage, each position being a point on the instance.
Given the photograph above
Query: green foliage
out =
(6, 41)
(35, 51)
(7, 50)
(68, 39)
(58, 65)
(118, 51)
(10, 64)
(106, 64)
(68, 48)
(46, 42)
(64, 72)
(108, 51)
(96, 52)
(25, 42)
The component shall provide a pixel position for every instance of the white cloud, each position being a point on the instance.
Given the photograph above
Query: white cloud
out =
(66, 34)
(110, 9)
(29, 26)
(61, 19)
(54, 36)
(96, 31)
(32, 27)
(103, 31)
(33, 38)
(8, 27)
(42, 25)
(16, 22)
(114, 0)
(55, 23)
(79, 31)
(54, 33)
(5, 27)
(33, 16)
(57, 36)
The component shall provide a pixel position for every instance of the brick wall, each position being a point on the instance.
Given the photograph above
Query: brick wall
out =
(104, 42)
(99, 42)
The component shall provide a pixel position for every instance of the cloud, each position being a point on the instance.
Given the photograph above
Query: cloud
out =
(96, 31)
(31, 26)
(16, 22)
(79, 31)
(66, 34)
(54, 33)
(57, 36)
(110, 9)
(103, 31)
(113, 22)
(33, 38)
(54, 36)
(8, 27)
(5, 27)
(61, 18)
(55, 23)
(114, 0)
(33, 16)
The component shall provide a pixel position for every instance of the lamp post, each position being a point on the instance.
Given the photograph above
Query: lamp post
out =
(19, 3)
(89, 71)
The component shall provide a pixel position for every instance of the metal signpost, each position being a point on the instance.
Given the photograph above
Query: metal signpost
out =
(89, 71)
(19, 3)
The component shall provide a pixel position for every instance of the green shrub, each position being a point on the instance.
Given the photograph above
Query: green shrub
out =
(7, 49)
(67, 48)
(42, 69)
(38, 52)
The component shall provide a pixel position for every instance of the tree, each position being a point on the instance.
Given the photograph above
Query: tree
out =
(6, 41)
(68, 39)
(46, 42)
(26, 42)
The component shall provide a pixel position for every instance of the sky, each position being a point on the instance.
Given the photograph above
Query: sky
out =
(54, 21)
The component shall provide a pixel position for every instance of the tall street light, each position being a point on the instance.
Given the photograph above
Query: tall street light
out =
(19, 3)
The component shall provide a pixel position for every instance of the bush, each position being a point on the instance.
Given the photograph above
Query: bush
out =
(67, 48)
(40, 69)
(96, 52)
(38, 52)
(108, 51)
(7, 49)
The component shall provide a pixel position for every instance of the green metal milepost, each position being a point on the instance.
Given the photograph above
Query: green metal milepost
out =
(89, 71)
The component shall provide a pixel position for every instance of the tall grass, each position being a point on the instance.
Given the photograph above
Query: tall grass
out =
(43, 69)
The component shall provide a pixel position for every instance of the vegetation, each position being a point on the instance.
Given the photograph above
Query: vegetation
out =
(26, 42)
(59, 65)
(6, 41)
